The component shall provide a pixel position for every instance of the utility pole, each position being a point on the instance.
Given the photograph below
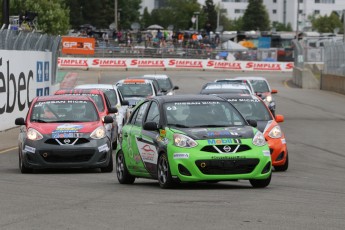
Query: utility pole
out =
(6, 13)
(297, 26)
(344, 25)
(115, 14)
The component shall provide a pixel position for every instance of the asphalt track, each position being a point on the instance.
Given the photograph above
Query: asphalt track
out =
(310, 195)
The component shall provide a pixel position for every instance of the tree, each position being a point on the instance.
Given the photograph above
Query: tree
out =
(53, 15)
(146, 19)
(281, 27)
(256, 16)
(210, 14)
(326, 24)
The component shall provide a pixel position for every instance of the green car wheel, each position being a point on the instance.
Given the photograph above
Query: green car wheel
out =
(164, 175)
(122, 173)
(261, 183)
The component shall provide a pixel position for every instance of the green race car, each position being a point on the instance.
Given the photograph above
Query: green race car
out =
(191, 138)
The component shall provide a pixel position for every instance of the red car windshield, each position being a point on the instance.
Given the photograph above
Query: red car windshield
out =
(63, 111)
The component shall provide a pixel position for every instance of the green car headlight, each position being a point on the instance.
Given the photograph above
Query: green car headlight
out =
(183, 141)
(275, 132)
(259, 139)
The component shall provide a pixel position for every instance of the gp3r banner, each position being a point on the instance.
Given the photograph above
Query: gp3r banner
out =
(78, 45)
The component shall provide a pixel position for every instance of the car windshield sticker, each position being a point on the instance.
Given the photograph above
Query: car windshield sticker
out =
(41, 103)
(147, 152)
(197, 103)
(243, 100)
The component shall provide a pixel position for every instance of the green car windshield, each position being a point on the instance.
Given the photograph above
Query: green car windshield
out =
(202, 114)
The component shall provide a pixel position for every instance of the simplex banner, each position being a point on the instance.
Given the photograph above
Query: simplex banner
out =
(196, 64)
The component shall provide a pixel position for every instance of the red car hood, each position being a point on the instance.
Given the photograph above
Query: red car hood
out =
(76, 127)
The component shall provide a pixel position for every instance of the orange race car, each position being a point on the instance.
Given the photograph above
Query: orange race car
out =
(254, 108)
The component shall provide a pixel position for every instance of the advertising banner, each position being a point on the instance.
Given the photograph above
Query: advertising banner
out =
(195, 64)
(78, 45)
(23, 76)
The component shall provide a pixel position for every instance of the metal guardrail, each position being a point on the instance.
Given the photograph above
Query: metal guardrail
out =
(175, 51)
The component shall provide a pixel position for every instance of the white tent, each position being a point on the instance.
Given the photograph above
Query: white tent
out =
(230, 45)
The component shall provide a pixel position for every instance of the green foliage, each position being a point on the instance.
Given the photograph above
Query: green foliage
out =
(281, 27)
(53, 16)
(210, 13)
(326, 24)
(178, 13)
(256, 16)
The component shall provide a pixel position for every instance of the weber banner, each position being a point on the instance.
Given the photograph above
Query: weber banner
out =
(23, 76)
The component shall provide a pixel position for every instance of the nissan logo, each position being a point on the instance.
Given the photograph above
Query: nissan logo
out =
(227, 148)
(67, 141)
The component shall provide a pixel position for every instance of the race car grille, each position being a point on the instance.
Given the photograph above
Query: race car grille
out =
(67, 141)
(222, 167)
(65, 156)
(225, 148)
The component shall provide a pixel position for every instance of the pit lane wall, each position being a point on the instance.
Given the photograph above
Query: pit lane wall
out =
(23, 76)
(191, 64)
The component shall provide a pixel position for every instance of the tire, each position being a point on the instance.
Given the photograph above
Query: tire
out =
(122, 173)
(261, 183)
(23, 169)
(114, 145)
(283, 167)
(163, 172)
(109, 168)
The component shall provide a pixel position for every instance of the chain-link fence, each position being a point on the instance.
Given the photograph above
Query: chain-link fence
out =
(334, 58)
(25, 40)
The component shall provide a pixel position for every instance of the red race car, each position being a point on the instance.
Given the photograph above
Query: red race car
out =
(103, 105)
(64, 131)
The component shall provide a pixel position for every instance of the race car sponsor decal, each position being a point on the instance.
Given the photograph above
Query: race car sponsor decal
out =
(67, 131)
(283, 141)
(162, 139)
(219, 141)
(266, 153)
(218, 133)
(68, 128)
(103, 148)
(181, 155)
(227, 157)
(147, 152)
(162, 132)
(65, 135)
(29, 149)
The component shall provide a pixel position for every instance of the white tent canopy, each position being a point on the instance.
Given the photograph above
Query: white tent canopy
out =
(230, 45)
